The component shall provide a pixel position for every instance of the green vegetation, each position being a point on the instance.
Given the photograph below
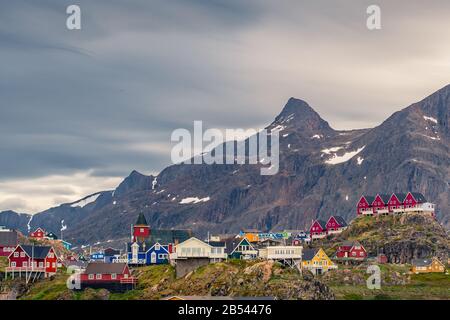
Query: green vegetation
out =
(397, 283)
(3, 263)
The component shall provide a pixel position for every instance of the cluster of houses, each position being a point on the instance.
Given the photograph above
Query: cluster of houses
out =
(396, 203)
(112, 268)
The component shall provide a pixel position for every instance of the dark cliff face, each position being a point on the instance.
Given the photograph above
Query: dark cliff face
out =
(318, 177)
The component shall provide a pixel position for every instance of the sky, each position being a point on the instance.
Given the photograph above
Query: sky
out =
(81, 109)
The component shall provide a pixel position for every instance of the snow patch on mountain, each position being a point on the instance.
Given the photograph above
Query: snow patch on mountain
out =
(84, 202)
(430, 119)
(344, 158)
(194, 200)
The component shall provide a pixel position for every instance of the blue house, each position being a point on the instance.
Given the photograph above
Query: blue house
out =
(157, 254)
(145, 253)
(97, 257)
(66, 244)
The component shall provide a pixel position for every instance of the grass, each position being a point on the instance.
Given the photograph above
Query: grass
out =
(430, 286)
(3, 263)
(48, 289)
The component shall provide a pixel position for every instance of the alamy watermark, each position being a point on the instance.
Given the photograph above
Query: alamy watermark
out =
(374, 281)
(259, 148)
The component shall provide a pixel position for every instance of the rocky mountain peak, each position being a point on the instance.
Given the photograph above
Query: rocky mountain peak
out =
(136, 181)
(298, 115)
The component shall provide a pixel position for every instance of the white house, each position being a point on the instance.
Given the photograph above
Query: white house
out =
(195, 248)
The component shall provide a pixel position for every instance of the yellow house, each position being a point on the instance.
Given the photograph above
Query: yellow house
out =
(427, 265)
(317, 261)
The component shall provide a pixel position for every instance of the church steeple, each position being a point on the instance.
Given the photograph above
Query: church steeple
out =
(141, 230)
(141, 221)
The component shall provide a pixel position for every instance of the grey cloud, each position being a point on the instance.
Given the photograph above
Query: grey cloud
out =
(106, 98)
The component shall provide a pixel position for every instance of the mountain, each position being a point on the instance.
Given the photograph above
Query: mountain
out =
(322, 172)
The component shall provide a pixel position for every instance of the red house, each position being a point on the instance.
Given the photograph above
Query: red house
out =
(141, 230)
(395, 203)
(335, 224)
(8, 242)
(38, 234)
(351, 250)
(318, 229)
(365, 205)
(398, 203)
(26, 258)
(111, 276)
(380, 204)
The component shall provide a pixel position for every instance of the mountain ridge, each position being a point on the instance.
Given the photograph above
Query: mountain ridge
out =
(406, 152)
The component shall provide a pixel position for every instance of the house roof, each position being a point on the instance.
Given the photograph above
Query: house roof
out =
(369, 199)
(385, 198)
(400, 196)
(105, 268)
(8, 238)
(308, 254)
(217, 243)
(148, 246)
(419, 197)
(169, 236)
(421, 262)
(38, 252)
(111, 252)
(322, 223)
(141, 221)
(340, 220)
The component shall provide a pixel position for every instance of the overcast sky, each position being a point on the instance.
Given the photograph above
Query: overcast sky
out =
(79, 110)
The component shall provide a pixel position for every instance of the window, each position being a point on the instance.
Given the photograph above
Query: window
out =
(157, 247)
(142, 230)
(16, 254)
(53, 264)
(22, 254)
(91, 277)
(125, 275)
(98, 276)
(48, 264)
(114, 276)
(25, 264)
(41, 264)
(13, 264)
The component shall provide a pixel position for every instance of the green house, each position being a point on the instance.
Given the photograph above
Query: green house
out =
(240, 248)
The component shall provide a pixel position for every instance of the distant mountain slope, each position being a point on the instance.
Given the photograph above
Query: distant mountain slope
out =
(322, 172)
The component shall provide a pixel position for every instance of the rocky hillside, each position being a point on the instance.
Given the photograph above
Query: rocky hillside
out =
(322, 172)
(400, 238)
(237, 278)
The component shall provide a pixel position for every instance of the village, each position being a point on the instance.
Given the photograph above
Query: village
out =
(300, 250)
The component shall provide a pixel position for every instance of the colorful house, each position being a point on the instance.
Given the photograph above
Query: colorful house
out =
(111, 254)
(66, 245)
(396, 203)
(8, 242)
(39, 233)
(252, 235)
(51, 236)
(141, 230)
(194, 253)
(152, 247)
(382, 258)
(427, 265)
(26, 258)
(145, 253)
(238, 248)
(335, 224)
(317, 261)
(318, 229)
(351, 250)
(112, 276)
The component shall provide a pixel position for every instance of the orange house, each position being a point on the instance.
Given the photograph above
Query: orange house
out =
(427, 265)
